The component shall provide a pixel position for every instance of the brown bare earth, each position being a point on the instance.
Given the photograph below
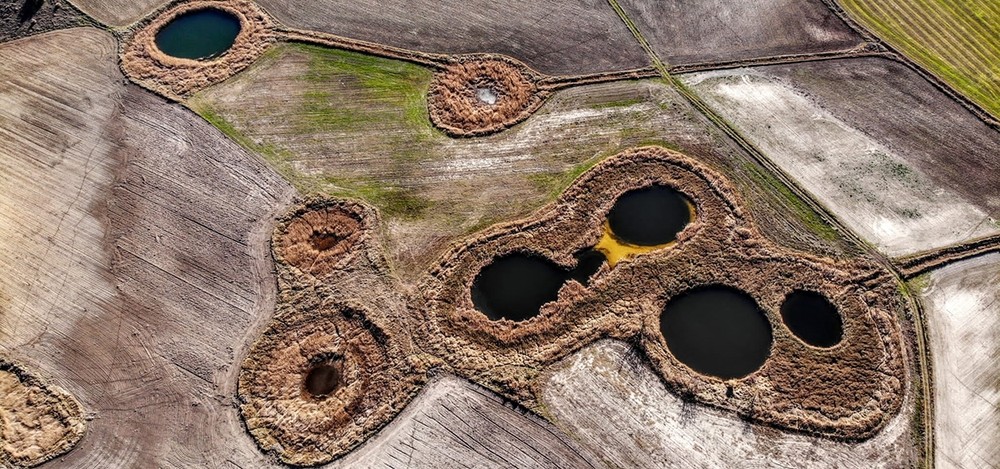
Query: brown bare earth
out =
(692, 32)
(20, 18)
(344, 124)
(37, 422)
(118, 13)
(554, 37)
(135, 273)
(175, 77)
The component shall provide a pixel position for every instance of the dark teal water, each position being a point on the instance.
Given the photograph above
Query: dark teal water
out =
(516, 286)
(199, 34)
(649, 216)
(812, 318)
(718, 331)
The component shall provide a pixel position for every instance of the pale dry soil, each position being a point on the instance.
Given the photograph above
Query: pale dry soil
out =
(117, 13)
(135, 250)
(883, 183)
(962, 304)
(692, 32)
(351, 132)
(454, 423)
(555, 37)
(608, 398)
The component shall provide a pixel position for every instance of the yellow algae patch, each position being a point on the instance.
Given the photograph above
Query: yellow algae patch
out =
(615, 250)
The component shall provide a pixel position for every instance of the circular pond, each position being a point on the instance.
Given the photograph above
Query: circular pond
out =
(717, 330)
(650, 216)
(812, 318)
(323, 379)
(516, 286)
(200, 34)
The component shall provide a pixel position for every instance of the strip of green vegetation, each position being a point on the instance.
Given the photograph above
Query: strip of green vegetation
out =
(400, 86)
(936, 34)
(799, 207)
(392, 201)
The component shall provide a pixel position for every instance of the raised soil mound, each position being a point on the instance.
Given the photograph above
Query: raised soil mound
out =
(177, 78)
(365, 357)
(483, 94)
(37, 422)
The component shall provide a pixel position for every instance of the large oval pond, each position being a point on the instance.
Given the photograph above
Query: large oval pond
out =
(717, 330)
(515, 286)
(812, 318)
(200, 34)
(650, 216)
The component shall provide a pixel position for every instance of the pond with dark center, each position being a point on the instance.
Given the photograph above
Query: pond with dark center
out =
(812, 318)
(717, 330)
(650, 216)
(323, 379)
(200, 34)
(515, 286)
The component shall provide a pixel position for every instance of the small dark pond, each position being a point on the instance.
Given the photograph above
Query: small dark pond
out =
(812, 318)
(199, 34)
(323, 379)
(515, 286)
(649, 216)
(717, 330)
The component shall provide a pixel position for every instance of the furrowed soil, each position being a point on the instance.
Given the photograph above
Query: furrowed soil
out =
(117, 13)
(555, 37)
(963, 316)
(348, 125)
(454, 423)
(135, 247)
(895, 158)
(957, 41)
(607, 397)
(685, 33)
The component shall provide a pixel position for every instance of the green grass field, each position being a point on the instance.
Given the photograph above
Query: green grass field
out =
(957, 40)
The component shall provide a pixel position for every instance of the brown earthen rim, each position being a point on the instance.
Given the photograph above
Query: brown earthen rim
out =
(455, 107)
(178, 78)
(847, 392)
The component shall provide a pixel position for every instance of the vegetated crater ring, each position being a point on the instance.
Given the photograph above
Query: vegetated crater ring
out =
(176, 78)
(848, 391)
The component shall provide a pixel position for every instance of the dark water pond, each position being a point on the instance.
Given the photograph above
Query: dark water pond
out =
(516, 286)
(717, 330)
(323, 379)
(649, 216)
(811, 317)
(199, 34)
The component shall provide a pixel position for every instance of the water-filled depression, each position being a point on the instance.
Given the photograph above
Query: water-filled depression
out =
(812, 318)
(717, 330)
(515, 286)
(200, 34)
(650, 216)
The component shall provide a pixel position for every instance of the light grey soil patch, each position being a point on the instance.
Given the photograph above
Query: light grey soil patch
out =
(608, 398)
(135, 255)
(467, 184)
(875, 188)
(118, 13)
(963, 318)
(454, 423)
(557, 37)
(690, 32)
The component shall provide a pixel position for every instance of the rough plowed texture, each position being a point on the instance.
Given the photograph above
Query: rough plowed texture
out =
(456, 107)
(37, 422)
(175, 77)
(705, 31)
(556, 37)
(848, 391)
(337, 304)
